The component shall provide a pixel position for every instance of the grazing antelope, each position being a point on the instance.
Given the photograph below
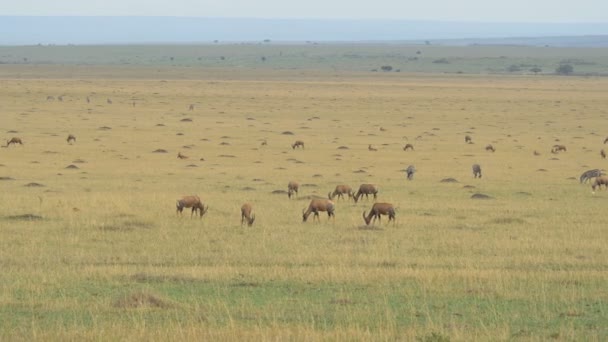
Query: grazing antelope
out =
(366, 189)
(408, 146)
(292, 187)
(297, 143)
(340, 191)
(88, 99)
(536, 153)
(247, 214)
(587, 175)
(410, 172)
(369, 147)
(264, 143)
(181, 156)
(316, 205)
(71, 138)
(490, 148)
(14, 140)
(60, 98)
(558, 148)
(50, 98)
(191, 107)
(476, 171)
(468, 139)
(599, 181)
(603, 154)
(379, 209)
(109, 101)
(605, 140)
(193, 202)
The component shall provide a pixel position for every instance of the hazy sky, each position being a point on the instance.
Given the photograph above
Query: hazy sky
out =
(454, 10)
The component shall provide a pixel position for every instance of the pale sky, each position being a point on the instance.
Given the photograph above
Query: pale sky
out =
(453, 10)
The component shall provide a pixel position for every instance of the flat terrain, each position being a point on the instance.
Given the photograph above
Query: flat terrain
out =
(91, 246)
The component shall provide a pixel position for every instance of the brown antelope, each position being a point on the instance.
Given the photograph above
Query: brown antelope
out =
(181, 156)
(316, 205)
(109, 101)
(408, 147)
(603, 154)
(558, 148)
(247, 214)
(264, 143)
(599, 181)
(60, 98)
(379, 209)
(340, 191)
(71, 138)
(88, 99)
(366, 189)
(490, 148)
(476, 171)
(369, 147)
(536, 153)
(50, 98)
(193, 202)
(191, 107)
(298, 143)
(14, 140)
(468, 139)
(605, 140)
(292, 187)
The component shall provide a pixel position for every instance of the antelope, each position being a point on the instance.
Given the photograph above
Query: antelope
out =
(88, 99)
(379, 209)
(193, 202)
(408, 146)
(536, 153)
(50, 98)
(599, 181)
(264, 143)
(297, 143)
(292, 187)
(476, 171)
(341, 190)
(603, 154)
(369, 147)
(558, 148)
(366, 189)
(410, 172)
(14, 140)
(71, 138)
(490, 148)
(60, 98)
(468, 139)
(587, 175)
(247, 214)
(109, 101)
(316, 205)
(605, 140)
(181, 156)
(191, 107)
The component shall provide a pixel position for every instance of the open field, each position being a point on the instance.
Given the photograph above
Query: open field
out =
(97, 251)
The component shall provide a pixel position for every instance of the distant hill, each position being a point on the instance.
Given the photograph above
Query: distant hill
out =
(23, 30)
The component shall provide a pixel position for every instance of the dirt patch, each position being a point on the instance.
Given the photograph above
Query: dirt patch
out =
(142, 300)
(25, 217)
(481, 196)
(34, 185)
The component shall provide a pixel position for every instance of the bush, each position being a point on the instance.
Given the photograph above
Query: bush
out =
(513, 68)
(386, 68)
(536, 70)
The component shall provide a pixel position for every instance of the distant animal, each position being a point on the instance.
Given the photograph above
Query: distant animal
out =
(181, 156)
(50, 98)
(379, 209)
(193, 202)
(599, 181)
(489, 147)
(109, 101)
(247, 214)
(536, 153)
(408, 147)
(603, 154)
(410, 172)
(264, 143)
(297, 143)
(605, 140)
(468, 139)
(14, 140)
(292, 188)
(133, 103)
(558, 148)
(191, 107)
(319, 204)
(340, 191)
(476, 171)
(366, 189)
(71, 138)
(587, 175)
(88, 99)
(60, 98)
(369, 147)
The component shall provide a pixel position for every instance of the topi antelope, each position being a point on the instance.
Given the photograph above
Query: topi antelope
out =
(408, 147)
(297, 143)
(181, 156)
(316, 205)
(366, 189)
(490, 148)
(71, 138)
(536, 153)
(264, 143)
(558, 148)
(340, 191)
(247, 214)
(410, 172)
(369, 147)
(468, 139)
(476, 171)
(191, 107)
(292, 187)
(603, 154)
(193, 202)
(14, 140)
(599, 181)
(587, 175)
(109, 101)
(605, 140)
(379, 209)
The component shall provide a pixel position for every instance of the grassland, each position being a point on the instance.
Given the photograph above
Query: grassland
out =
(97, 252)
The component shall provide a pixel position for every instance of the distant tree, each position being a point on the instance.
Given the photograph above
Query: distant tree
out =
(427, 42)
(513, 68)
(441, 61)
(263, 59)
(418, 52)
(266, 40)
(386, 68)
(222, 57)
(171, 58)
(536, 70)
(564, 69)
(216, 41)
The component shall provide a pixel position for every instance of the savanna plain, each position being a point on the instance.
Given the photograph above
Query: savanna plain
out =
(91, 247)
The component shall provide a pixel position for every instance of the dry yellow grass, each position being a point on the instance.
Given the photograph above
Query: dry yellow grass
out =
(109, 258)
